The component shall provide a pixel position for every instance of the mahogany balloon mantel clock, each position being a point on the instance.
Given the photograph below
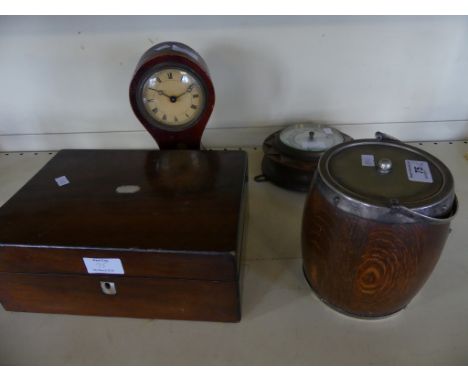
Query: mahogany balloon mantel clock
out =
(118, 250)
(172, 95)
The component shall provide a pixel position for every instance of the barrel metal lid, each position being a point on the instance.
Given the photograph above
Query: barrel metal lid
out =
(388, 173)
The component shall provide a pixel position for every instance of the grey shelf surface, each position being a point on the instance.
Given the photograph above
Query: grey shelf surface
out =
(283, 322)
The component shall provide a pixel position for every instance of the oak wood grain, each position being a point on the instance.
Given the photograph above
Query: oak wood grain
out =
(364, 267)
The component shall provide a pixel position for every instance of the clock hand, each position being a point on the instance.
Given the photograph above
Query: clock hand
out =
(173, 99)
(189, 89)
(160, 92)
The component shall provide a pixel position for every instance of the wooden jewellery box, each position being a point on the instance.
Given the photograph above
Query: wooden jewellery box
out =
(133, 233)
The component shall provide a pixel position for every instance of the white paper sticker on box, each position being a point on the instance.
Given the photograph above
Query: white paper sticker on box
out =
(104, 266)
(418, 171)
(62, 181)
(367, 160)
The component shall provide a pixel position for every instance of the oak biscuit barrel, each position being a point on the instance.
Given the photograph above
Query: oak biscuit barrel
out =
(375, 223)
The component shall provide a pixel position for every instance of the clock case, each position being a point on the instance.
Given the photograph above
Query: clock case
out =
(179, 238)
(172, 54)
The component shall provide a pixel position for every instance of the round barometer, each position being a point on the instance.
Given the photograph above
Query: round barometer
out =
(291, 154)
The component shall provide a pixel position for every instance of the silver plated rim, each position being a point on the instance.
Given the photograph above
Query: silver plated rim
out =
(439, 211)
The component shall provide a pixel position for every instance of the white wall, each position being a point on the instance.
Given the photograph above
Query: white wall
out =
(66, 75)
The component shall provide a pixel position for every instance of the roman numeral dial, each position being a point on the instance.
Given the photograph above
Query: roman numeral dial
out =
(173, 97)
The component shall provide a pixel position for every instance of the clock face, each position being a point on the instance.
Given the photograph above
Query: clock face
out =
(173, 97)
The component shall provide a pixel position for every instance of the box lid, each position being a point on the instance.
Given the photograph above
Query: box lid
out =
(162, 213)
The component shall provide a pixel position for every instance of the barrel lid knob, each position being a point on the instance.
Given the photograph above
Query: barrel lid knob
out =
(384, 165)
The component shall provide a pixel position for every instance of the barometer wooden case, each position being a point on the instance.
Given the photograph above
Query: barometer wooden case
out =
(155, 234)
(291, 154)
